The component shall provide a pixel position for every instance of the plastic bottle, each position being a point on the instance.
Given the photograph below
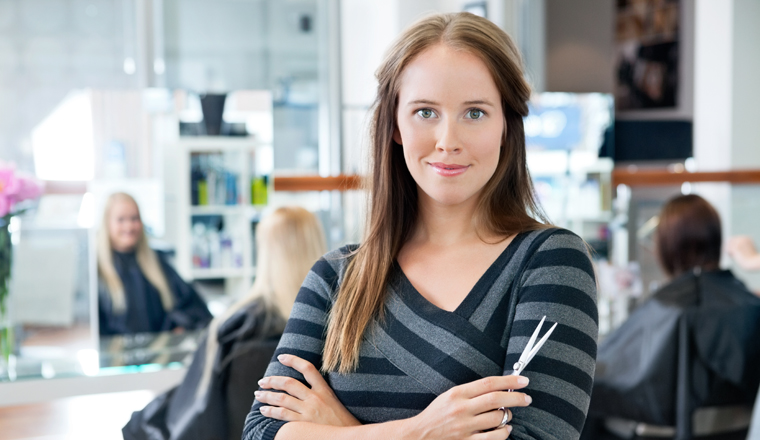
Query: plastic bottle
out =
(200, 246)
(214, 248)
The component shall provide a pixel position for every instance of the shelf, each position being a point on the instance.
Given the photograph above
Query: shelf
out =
(212, 144)
(224, 209)
(221, 272)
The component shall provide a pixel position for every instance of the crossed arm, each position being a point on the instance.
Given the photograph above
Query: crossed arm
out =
(558, 280)
(468, 411)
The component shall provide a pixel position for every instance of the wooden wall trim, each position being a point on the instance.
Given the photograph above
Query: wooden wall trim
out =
(342, 182)
(668, 178)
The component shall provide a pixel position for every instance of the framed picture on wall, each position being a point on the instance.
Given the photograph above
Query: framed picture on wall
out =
(647, 55)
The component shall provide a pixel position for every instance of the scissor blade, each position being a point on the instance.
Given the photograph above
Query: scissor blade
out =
(524, 356)
(540, 343)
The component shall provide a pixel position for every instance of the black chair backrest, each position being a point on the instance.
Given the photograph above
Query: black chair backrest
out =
(243, 373)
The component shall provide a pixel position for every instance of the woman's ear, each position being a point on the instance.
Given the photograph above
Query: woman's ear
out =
(397, 136)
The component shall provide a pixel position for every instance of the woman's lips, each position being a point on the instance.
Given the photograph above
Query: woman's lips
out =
(448, 170)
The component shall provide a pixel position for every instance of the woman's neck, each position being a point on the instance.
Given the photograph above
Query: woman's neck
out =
(447, 225)
(130, 250)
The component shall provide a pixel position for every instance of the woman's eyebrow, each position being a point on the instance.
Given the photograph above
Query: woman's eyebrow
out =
(479, 102)
(472, 102)
(422, 101)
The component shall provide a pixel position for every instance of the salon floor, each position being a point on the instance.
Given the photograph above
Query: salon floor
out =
(94, 417)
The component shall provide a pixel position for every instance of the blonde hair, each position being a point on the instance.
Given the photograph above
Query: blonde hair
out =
(288, 243)
(506, 205)
(147, 260)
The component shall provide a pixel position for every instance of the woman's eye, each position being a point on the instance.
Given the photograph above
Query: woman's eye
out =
(426, 113)
(475, 114)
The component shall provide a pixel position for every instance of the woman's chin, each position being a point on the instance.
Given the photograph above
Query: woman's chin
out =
(124, 246)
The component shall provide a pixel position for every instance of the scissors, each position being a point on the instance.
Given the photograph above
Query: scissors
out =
(530, 350)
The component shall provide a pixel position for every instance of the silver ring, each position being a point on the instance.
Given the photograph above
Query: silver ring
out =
(505, 419)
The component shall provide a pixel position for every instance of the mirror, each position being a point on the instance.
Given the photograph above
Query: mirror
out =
(102, 111)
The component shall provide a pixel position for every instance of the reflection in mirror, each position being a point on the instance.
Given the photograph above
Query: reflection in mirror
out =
(138, 290)
(80, 108)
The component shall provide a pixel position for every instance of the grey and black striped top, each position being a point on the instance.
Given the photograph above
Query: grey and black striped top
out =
(419, 351)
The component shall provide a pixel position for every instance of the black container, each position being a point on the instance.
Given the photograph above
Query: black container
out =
(212, 106)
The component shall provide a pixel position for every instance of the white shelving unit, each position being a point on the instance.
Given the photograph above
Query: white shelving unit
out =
(574, 188)
(234, 264)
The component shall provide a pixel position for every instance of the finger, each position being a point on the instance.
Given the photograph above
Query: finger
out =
(292, 386)
(491, 419)
(496, 434)
(499, 399)
(281, 400)
(310, 373)
(280, 413)
(490, 384)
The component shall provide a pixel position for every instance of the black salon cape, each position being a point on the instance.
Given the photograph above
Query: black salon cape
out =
(247, 341)
(702, 330)
(145, 312)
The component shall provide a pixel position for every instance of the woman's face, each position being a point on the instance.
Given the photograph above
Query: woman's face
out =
(124, 226)
(450, 124)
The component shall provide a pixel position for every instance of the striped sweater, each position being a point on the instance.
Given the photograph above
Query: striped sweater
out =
(418, 351)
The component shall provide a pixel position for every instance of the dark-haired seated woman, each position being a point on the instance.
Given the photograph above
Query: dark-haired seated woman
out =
(685, 364)
(138, 291)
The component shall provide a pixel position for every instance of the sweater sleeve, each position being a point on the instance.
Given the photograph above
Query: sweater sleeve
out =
(303, 337)
(558, 281)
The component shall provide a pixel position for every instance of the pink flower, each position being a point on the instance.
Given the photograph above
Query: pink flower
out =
(28, 188)
(15, 187)
(5, 205)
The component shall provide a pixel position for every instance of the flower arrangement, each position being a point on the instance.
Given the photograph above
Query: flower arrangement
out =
(15, 188)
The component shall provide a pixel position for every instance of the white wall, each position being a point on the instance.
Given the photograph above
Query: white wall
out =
(745, 148)
(745, 130)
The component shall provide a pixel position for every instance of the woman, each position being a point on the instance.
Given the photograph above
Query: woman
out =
(137, 290)
(213, 398)
(417, 329)
(689, 350)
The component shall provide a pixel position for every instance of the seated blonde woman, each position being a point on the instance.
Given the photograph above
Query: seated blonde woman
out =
(138, 291)
(216, 394)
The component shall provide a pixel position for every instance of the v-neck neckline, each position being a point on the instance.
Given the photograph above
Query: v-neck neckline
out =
(469, 304)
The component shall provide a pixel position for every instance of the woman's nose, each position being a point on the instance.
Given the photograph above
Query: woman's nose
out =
(448, 137)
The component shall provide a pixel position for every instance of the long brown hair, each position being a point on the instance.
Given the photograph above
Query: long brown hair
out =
(146, 259)
(506, 205)
(688, 235)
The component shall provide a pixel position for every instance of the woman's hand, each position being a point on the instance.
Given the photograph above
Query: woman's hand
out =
(742, 250)
(471, 411)
(317, 404)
